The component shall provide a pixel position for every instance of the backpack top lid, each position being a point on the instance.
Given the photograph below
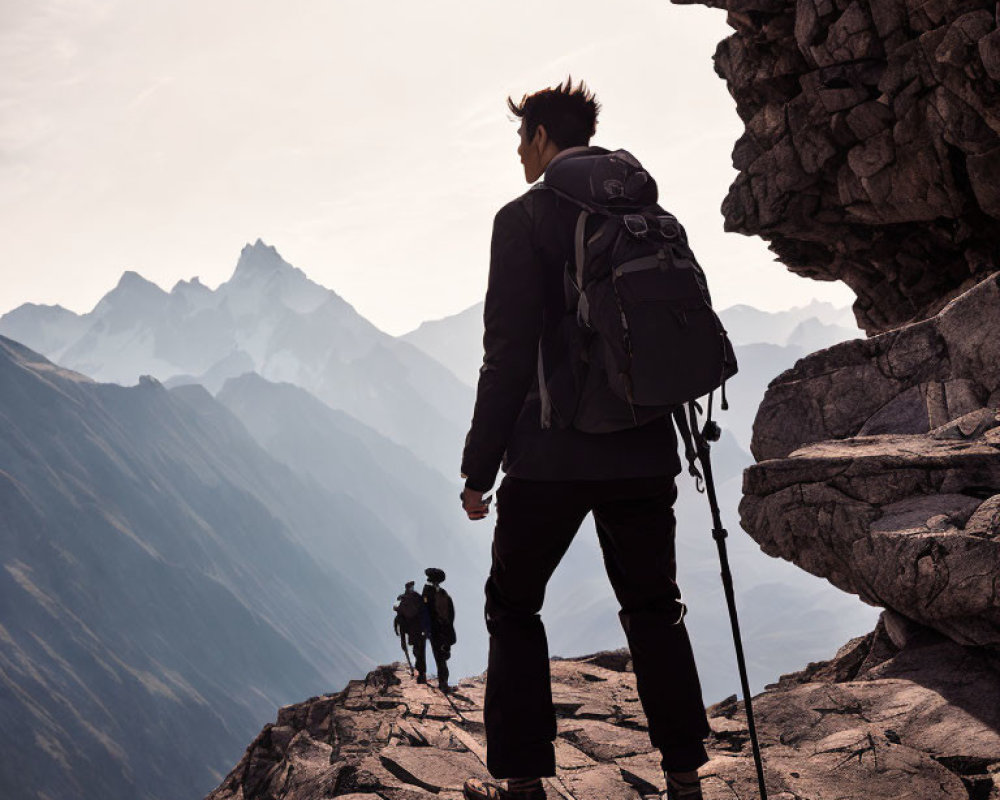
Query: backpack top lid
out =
(604, 181)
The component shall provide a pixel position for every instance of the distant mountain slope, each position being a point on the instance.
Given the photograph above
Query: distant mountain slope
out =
(269, 318)
(456, 341)
(749, 325)
(164, 585)
(415, 503)
(767, 343)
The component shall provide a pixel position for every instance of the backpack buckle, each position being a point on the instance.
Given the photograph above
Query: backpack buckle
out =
(636, 224)
(613, 189)
(669, 227)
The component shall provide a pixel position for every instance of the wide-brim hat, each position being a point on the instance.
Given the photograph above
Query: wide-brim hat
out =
(434, 575)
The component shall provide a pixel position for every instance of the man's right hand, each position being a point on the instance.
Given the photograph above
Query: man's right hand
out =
(475, 505)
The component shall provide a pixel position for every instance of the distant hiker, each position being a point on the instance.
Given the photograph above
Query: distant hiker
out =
(441, 611)
(412, 623)
(546, 378)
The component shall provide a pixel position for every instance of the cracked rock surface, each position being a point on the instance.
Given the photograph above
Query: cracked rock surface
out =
(880, 468)
(871, 150)
(900, 713)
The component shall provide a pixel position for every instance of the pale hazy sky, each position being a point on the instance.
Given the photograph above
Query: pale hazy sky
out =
(368, 141)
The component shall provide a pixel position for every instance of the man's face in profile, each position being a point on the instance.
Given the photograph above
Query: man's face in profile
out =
(528, 152)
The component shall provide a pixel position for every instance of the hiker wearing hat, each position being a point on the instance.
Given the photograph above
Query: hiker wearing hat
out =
(441, 613)
(560, 404)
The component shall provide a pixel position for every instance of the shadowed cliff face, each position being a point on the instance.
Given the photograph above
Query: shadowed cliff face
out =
(871, 155)
(872, 146)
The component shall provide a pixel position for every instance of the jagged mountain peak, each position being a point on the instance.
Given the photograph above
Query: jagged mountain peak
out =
(261, 258)
(134, 295)
(193, 285)
(133, 281)
(263, 276)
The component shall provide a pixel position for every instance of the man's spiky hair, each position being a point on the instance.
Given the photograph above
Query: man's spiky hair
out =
(568, 112)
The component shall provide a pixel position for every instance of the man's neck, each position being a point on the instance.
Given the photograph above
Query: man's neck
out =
(567, 152)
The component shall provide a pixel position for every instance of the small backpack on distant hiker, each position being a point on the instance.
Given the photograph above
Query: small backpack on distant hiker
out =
(443, 610)
(444, 615)
(411, 613)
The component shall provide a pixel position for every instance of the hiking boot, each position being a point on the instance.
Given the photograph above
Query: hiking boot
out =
(476, 789)
(445, 688)
(683, 790)
(421, 678)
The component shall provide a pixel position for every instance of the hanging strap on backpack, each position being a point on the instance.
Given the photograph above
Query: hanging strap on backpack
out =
(582, 315)
(543, 392)
(582, 306)
(690, 453)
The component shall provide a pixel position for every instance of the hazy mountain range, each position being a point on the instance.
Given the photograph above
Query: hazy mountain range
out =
(267, 318)
(456, 341)
(180, 558)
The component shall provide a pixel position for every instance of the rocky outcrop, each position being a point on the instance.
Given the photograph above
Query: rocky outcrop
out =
(907, 381)
(895, 495)
(871, 153)
(901, 713)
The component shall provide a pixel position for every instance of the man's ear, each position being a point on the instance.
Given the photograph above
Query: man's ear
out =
(540, 139)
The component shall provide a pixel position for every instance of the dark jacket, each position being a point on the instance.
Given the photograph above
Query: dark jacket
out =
(528, 306)
(441, 612)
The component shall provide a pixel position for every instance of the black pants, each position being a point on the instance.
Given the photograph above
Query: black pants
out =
(440, 652)
(536, 522)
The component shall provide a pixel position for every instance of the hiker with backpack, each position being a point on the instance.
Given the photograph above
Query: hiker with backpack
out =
(598, 325)
(441, 612)
(412, 624)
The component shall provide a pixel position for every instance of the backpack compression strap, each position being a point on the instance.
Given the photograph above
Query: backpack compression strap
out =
(582, 306)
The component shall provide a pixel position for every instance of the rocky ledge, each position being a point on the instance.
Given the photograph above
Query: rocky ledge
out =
(880, 468)
(900, 713)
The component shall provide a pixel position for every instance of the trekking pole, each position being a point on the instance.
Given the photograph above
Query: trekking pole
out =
(719, 533)
(402, 642)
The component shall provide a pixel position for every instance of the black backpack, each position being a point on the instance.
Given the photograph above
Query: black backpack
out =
(411, 611)
(443, 608)
(444, 616)
(647, 339)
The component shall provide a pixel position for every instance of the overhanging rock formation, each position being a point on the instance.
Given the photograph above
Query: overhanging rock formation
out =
(872, 146)
(872, 155)
(880, 468)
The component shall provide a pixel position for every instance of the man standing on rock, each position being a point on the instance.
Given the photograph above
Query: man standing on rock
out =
(556, 475)
(441, 612)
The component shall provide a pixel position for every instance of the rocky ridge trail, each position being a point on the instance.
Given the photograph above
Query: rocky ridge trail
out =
(901, 713)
